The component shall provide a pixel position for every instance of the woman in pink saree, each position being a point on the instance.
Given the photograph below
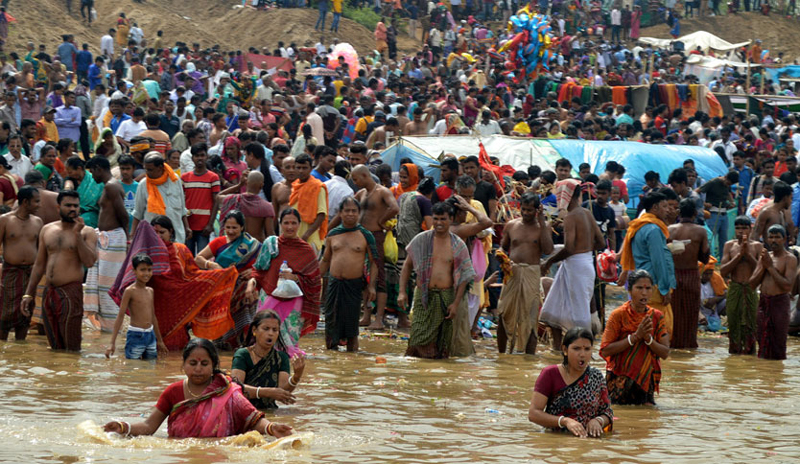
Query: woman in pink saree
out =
(207, 404)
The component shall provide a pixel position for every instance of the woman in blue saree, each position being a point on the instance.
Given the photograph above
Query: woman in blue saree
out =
(235, 248)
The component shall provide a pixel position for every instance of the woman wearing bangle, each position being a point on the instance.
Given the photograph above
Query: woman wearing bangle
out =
(204, 405)
(572, 395)
(263, 368)
(634, 342)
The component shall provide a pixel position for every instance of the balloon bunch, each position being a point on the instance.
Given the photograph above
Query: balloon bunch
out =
(350, 57)
(529, 50)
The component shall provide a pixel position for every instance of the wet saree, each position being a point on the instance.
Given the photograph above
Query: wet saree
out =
(90, 192)
(632, 375)
(583, 399)
(221, 411)
(241, 254)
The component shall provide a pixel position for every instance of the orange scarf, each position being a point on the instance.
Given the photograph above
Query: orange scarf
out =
(304, 195)
(626, 258)
(717, 282)
(413, 181)
(155, 202)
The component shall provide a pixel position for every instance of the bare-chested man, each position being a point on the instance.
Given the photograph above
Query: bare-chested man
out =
(568, 304)
(778, 212)
(282, 191)
(739, 260)
(65, 248)
(524, 240)
(417, 126)
(48, 208)
(686, 299)
(775, 273)
(112, 240)
(259, 217)
(346, 248)
(441, 262)
(378, 207)
(468, 231)
(19, 235)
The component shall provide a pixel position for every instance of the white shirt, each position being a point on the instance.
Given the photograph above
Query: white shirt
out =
(275, 174)
(129, 129)
(439, 128)
(19, 166)
(264, 92)
(136, 34)
(490, 128)
(338, 190)
(107, 45)
(616, 17)
(100, 103)
(321, 50)
(187, 165)
(317, 128)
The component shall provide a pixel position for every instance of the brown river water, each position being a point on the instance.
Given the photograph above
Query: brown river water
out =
(713, 407)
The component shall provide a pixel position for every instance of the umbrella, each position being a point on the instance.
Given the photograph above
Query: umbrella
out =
(319, 72)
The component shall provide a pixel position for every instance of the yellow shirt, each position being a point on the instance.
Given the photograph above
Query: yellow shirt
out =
(361, 125)
(337, 6)
(322, 207)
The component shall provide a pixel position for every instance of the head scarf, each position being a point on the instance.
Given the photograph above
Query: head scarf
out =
(717, 282)
(565, 189)
(231, 141)
(80, 90)
(413, 181)
(113, 156)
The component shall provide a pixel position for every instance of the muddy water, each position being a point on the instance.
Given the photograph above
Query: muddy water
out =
(712, 407)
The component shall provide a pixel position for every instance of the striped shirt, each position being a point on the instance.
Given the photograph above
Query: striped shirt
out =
(200, 192)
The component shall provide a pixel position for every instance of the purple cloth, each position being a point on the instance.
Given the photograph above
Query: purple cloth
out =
(146, 241)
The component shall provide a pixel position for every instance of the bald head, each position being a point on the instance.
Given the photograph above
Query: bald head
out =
(255, 182)
(361, 176)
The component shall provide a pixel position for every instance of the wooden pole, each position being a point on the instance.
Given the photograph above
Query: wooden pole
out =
(747, 90)
(650, 69)
(761, 73)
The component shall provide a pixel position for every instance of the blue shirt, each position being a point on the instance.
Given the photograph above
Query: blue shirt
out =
(94, 76)
(320, 177)
(66, 53)
(796, 203)
(68, 122)
(650, 253)
(115, 122)
(745, 177)
(83, 60)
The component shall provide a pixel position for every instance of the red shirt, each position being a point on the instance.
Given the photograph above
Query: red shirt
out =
(171, 396)
(199, 191)
(549, 381)
(443, 192)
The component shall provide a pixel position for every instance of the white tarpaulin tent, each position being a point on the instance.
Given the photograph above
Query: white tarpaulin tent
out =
(705, 40)
(707, 68)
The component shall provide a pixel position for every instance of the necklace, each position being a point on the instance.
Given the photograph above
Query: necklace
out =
(253, 349)
(186, 384)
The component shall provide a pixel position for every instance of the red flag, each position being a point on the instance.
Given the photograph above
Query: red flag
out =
(499, 171)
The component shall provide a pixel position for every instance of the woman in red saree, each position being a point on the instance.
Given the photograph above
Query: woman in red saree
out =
(206, 404)
(185, 295)
(634, 342)
(572, 396)
(299, 316)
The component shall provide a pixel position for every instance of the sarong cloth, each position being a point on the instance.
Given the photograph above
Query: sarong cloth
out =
(685, 308)
(63, 315)
(583, 400)
(742, 306)
(342, 309)
(773, 326)
(220, 411)
(632, 375)
(184, 294)
(431, 335)
(518, 307)
(111, 249)
(15, 282)
(568, 304)
(462, 331)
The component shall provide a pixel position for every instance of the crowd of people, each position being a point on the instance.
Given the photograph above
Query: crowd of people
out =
(225, 207)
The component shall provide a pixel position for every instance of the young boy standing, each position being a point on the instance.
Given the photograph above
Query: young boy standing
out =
(201, 187)
(143, 340)
(126, 167)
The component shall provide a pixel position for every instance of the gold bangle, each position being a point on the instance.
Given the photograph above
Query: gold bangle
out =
(27, 296)
(269, 429)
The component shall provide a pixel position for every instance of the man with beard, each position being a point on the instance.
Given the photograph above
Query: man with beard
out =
(775, 273)
(19, 235)
(65, 248)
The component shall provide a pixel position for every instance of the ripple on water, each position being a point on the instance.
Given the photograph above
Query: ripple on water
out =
(712, 407)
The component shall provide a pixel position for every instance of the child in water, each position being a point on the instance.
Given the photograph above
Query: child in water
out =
(143, 340)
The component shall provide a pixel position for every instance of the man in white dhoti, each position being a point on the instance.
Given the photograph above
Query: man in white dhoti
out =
(568, 303)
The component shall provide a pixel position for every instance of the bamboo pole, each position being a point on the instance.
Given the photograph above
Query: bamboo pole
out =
(747, 91)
